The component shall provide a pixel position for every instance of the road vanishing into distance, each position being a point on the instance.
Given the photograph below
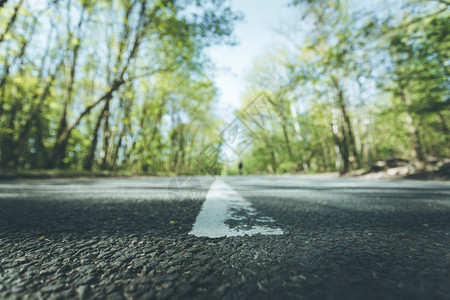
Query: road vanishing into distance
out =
(252, 237)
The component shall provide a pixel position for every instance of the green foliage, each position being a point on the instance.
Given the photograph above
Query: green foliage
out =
(361, 87)
(114, 85)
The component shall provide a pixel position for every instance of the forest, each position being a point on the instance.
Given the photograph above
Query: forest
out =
(358, 86)
(108, 85)
(126, 86)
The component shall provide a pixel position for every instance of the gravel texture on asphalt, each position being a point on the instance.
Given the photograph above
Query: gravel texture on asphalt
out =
(128, 239)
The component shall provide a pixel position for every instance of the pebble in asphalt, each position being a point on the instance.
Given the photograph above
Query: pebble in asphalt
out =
(126, 239)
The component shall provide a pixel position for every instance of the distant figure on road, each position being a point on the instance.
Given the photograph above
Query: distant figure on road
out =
(240, 167)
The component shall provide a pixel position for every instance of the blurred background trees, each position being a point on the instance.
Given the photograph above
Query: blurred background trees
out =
(359, 86)
(124, 85)
(107, 85)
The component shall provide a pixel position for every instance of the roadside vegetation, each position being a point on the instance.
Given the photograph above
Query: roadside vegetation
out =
(359, 85)
(107, 86)
(125, 87)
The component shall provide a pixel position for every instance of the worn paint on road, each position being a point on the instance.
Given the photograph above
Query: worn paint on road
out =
(223, 204)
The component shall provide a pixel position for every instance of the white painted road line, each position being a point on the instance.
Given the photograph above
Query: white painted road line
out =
(221, 205)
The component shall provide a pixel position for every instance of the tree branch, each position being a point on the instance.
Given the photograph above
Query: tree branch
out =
(65, 134)
(12, 20)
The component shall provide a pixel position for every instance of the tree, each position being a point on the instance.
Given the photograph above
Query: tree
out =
(360, 86)
(76, 102)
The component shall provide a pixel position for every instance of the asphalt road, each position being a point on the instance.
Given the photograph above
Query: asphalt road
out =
(141, 238)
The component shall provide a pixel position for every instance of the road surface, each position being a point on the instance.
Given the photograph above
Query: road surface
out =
(228, 237)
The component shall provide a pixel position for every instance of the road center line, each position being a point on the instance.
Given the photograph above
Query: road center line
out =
(222, 204)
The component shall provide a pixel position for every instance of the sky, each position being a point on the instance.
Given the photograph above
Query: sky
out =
(256, 34)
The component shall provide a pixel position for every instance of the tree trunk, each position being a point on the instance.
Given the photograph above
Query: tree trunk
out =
(405, 96)
(7, 144)
(89, 158)
(444, 127)
(41, 152)
(273, 160)
(115, 156)
(11, 21)
(106, 136)
(286, 140)
(7, 66)
(65, 135)
(155, 129)
(347, 129)
(118, 82)
(59, 149)
(416, 145)
(141, 125)
(33, 114)
(342, 145)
